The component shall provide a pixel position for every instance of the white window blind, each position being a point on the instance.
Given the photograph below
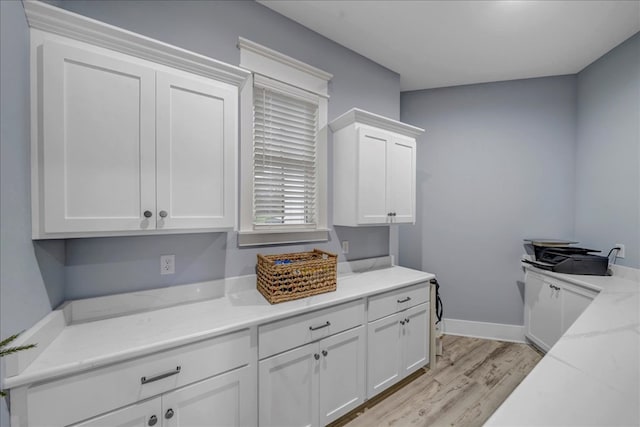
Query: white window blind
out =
(285, 128)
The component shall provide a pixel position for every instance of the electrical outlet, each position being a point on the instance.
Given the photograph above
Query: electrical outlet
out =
(167, 264)
(345, 247)
(621, 252)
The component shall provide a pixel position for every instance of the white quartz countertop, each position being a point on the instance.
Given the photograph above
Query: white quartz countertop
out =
(82, 346)
(591, 376)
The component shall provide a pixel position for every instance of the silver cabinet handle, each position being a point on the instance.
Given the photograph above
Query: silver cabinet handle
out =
(315, 328)
(169, 414)
(153, 420)
(316, 356)
(145, 380)
(402, 322)
(324, 353)
(400, 301)
(393, 214)
(163, 214)
(406, 320)
(147, 214)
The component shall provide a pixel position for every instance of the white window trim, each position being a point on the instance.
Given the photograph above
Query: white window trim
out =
(282, 72)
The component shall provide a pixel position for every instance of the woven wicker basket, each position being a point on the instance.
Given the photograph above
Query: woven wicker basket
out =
(286, 277)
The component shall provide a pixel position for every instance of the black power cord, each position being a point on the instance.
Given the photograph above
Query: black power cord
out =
(439, 308)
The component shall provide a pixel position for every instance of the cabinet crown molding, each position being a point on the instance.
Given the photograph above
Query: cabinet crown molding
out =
(356, 115)
(55, 20)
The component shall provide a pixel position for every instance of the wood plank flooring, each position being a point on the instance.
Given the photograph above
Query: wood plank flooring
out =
(473, 377)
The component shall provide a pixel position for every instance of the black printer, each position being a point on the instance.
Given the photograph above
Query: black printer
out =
(569, 260)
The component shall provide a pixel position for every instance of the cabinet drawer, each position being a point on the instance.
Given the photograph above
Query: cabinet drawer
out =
(82, 396)
(400, 299)
(294, 331)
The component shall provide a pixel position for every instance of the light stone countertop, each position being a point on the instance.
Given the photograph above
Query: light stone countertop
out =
(78, 347)
(591, 376)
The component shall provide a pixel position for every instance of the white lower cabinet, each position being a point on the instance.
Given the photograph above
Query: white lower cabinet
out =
(342, 374)
(574, 301)
(415, 338)
(305, 370)
(210, 382)
(314, 384)
(142, 414)
(217, 401)
(542, 311)
(398, 345)
(551, 307)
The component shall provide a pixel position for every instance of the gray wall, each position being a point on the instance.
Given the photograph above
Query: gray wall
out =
(608, 152)
(495, 165)
(111, 265)
(31, 276)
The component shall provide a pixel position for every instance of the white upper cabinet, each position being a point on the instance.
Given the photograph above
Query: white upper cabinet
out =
(98, 141)
(196, 122)
(129, 135)
(374, 166)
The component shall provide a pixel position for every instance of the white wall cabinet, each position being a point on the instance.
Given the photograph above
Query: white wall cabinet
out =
(374, 167)
(217, 401)
(122, 145)
(551, 307)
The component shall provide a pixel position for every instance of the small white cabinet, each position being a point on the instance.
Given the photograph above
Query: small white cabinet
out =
(374, 167)
(398, 345)
(312, 367)
(314, 384)
(123, 145)
(217, 401)
(397, 337)
(551, 307)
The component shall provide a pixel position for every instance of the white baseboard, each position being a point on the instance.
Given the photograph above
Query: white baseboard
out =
(494, 331)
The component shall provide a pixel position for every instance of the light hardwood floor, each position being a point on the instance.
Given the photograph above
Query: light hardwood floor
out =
(473, 377)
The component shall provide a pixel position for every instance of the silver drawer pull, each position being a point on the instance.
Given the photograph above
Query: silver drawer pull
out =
(145, 380)
(315, 328)
(404, 300)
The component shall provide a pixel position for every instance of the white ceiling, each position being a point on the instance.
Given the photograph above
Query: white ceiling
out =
(448, 43)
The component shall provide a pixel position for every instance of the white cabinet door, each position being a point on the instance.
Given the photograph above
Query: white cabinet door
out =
(288, 388)
(342, 374)
(196, 157)
(98, 150)
(401, 179)
(372, 176)
(574, 301)
(142, 414)
(384, 355)
(542, 311)
(415, 335)
(224, 400)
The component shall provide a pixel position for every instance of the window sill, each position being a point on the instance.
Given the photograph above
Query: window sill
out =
(271, 237)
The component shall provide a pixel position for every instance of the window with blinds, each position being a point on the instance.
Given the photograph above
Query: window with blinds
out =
(285, 128)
